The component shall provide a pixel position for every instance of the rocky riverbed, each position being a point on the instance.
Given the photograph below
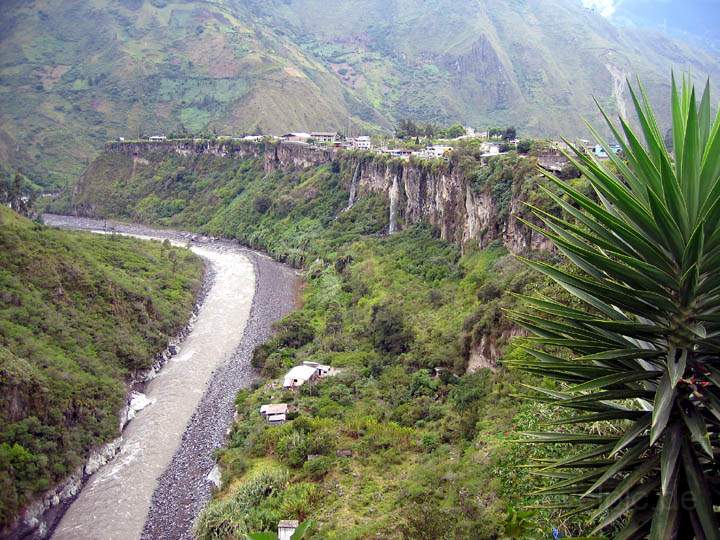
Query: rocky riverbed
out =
(184, 483)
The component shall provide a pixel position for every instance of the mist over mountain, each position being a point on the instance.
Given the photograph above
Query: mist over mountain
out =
(697, 21)
(75, 74)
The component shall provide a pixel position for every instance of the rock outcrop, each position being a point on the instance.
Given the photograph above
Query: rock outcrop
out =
(417, 191)
(445, 199)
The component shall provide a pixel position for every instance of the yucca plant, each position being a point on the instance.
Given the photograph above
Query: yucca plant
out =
(642, 352)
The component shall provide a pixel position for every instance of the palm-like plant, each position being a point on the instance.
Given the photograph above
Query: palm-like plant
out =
(644, 351)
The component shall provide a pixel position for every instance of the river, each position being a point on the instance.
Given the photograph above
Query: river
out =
(157, 483)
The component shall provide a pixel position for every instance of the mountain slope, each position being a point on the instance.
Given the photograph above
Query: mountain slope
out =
(78, 314)
(75, 74)
(534, 63)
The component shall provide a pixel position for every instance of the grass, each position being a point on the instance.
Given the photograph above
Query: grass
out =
(79, 313)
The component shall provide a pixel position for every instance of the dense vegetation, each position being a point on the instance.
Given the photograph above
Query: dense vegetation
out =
(403, 443)
(403, 316)
(79, 313)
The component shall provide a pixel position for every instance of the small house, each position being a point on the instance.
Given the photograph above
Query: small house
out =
(401, 153)
(286, 528)
(362, 143)
(323, 136)
(158, 138)
(489, 149)
(323, 370)
(438, 151)
(299, 375)
(275, 413)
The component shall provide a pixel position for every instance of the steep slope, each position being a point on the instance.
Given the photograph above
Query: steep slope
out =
(75, 74)
(533, 63)
(79, 314)
(392, 447)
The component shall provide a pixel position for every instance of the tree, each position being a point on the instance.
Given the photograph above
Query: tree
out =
(524, 146)
(13, 194)
(510, 133)
(262, 204)
(642, 351)
(388, 331)
(406, 128)
(455, 131)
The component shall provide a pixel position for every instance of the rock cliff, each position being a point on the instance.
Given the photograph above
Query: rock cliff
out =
(445, 198)
(436, 192)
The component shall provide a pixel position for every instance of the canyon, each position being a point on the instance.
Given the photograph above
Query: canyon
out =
(437, 192)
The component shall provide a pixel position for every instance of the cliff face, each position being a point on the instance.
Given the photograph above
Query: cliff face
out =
(445, 199)
(438, 194)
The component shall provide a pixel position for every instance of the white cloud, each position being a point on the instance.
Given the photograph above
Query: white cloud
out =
(605, 7)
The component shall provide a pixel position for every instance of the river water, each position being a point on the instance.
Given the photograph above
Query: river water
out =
(114, 503)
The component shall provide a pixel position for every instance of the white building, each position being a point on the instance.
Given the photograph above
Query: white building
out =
(323, 136)
(275, 414)
(158, 138)
(489, 149)
(286, 528)
(299, 375)
(296, 137)
(437, 151)
(362, 143)
(323, 370)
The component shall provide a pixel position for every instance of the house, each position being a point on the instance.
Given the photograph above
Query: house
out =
(275, 414)
(158, 138)
(402, 153)
(299, 375)
(122, 139)
(362, 143)
(323, 370)
(599, 152)
(323, 136)
(437, 151)
(253, 138)
(296, 137)
(286, 528)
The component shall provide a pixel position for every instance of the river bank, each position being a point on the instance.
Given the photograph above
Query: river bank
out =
(166, 497)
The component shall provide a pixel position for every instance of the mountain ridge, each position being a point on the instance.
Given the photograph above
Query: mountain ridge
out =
(76, 74)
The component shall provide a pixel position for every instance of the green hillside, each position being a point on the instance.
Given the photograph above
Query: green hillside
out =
(429, 449)
(78, 314)
(75, 74)
(533, 63)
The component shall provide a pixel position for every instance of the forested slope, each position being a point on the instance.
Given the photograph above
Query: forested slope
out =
(79, 314)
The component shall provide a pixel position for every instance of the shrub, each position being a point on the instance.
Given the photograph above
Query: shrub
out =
(317, 468)
(388, 331)
(262, 204)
